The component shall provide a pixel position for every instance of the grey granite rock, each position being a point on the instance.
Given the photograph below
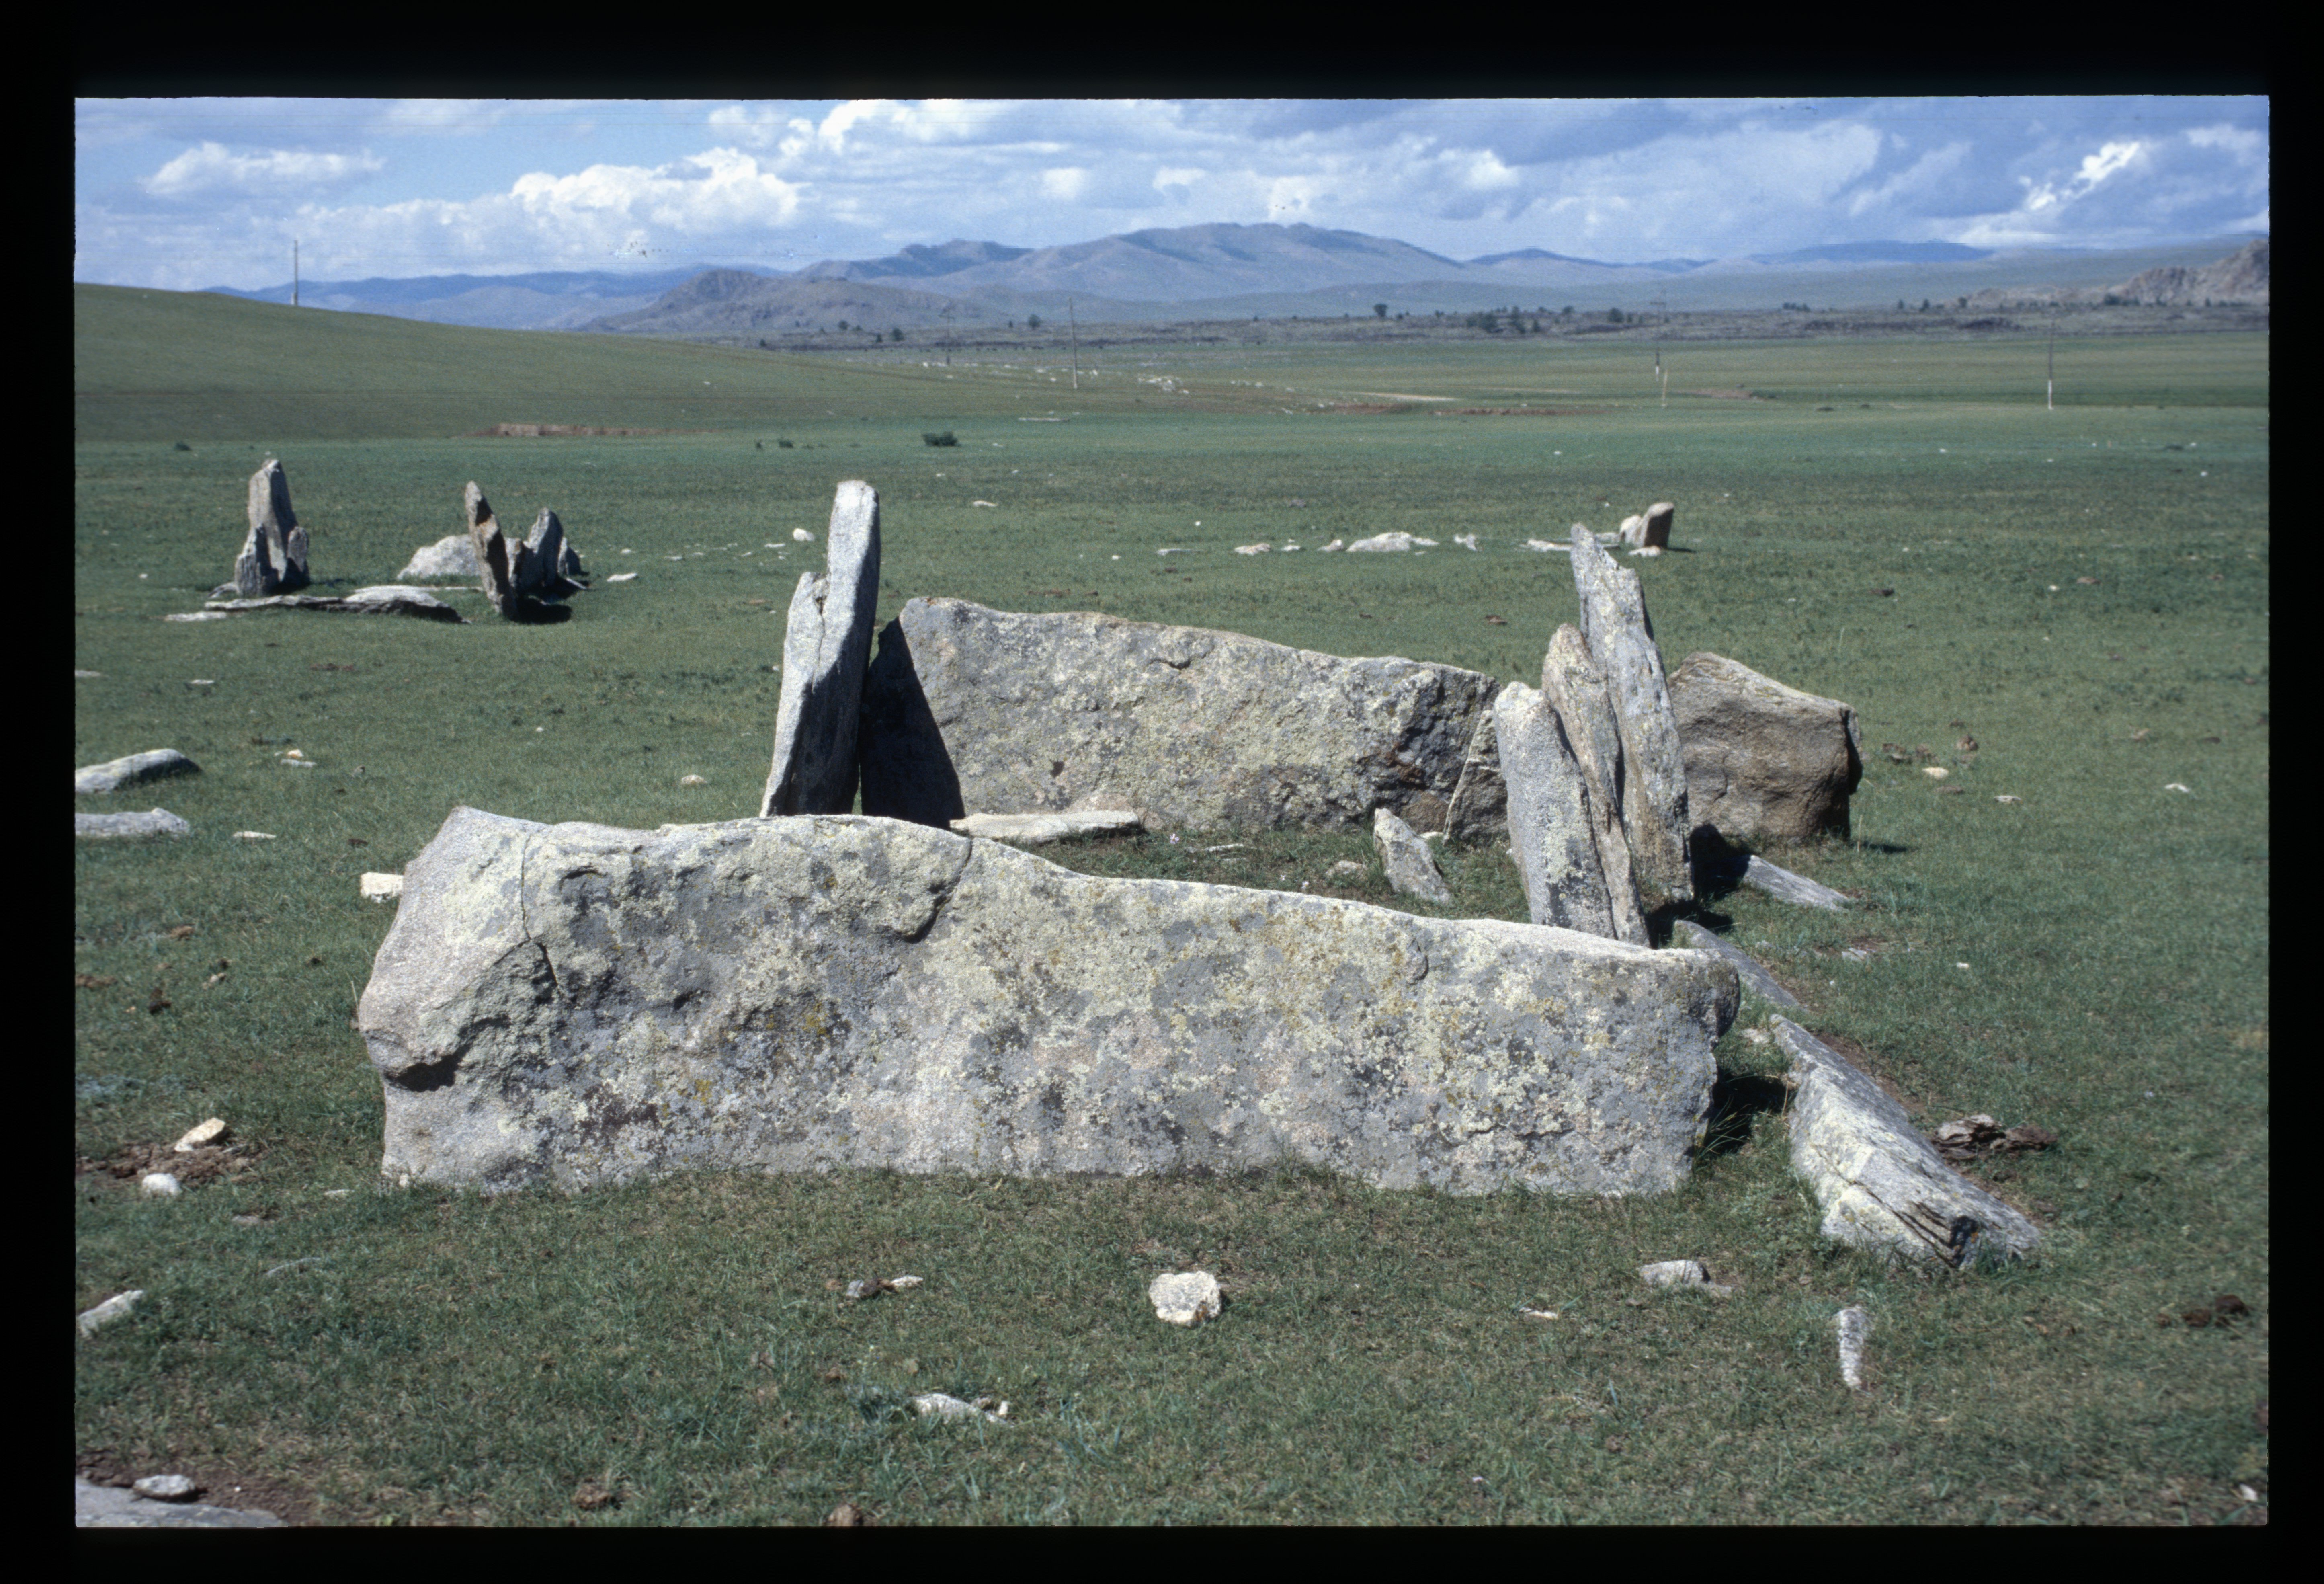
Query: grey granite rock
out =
(1040, 830)
(1882, 1186)
(521, 578)
(1410, 867)
(826, 651)
(133, 770)
(1551, 828)
(105, 1506)
(153, 822)
(1479, 808)
(273, 559)
(967, 707)
(1755, 977)
(1763, 760)
(576, 1003)
(379, 599)
(1785, 887)
(1576, 690)
(1621, 641)
(452, 556)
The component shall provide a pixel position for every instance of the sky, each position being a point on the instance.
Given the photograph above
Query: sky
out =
(188, 193)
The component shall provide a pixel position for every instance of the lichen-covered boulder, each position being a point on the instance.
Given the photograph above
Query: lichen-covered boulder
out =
(576, 1003)
(1763, 760)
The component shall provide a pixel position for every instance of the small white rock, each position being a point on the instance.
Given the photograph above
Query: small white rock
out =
(165, 1487)
(945, 1407)
(382, 887)
(158, 1185)
(692, 780)
(253, 835)
(1935, 771)
(116, 1308)
(621, 577)
(1855, 1325)
(1184, 1297)
(801, 536)
(1674, 1272)
(212, 1132)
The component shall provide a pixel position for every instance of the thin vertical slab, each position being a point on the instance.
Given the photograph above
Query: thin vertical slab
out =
(1653, 776)
(1550, 825)
(1576, 691)
(827, 649)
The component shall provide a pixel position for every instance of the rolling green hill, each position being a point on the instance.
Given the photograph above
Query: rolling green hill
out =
(189, 365)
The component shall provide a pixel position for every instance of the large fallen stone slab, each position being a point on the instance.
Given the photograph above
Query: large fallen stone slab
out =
(452, 556)
(273, 559)
(110, 826)
(1621, 641)
(132, 770)
(1576, 691)
(380, 599)
(1551, 829)
(1405, 858)
(576, 1004)
(1747, 969)
(1762, 759)
(1040, 830)
(825, 650)
(966, 707)
(1881, 1186)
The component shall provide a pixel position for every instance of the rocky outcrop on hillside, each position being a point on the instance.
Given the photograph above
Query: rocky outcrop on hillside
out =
(2240, 278)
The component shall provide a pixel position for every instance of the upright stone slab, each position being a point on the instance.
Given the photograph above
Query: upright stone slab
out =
(1763, 760)
(549, 560)
(969, 709)
(1410, 867)
(521, 578)
(1576, 691)
(1551, 830)
(1480, 806)
(1654, 770)
(825, 650)
(273, 559)
(578, 1005)
(1655, 532)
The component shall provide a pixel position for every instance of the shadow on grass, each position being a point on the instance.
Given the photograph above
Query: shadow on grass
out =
(1738, 1099)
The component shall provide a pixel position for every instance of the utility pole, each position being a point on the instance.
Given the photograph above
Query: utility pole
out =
(1661, 317)
(294, 272)
(947, 321)
(2053, 360)
(1075, 330)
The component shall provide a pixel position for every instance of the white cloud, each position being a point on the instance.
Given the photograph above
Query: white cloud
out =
(212, 167)
(1064, 182)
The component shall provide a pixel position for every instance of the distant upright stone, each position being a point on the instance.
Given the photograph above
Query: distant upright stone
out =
(1576, 691)
(273, 558)
(1411, 867)
(1763, 760)
(551, 558)
(1634, 530)
(1621, 641)
(1551, 830)
(132, 771)
(970, 709)
(519, 577)
(1656, 531)
(452, 556)
(826, 652)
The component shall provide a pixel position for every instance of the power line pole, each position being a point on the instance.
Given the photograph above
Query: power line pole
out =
(1075, 329)
(294, 272)
(2053, 360)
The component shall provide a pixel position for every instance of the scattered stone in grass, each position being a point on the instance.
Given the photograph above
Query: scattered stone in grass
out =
(298, 1264)
(2174, 786)
(2225, 1310)
(876, 1285)
(937, 1404)
(1038, 830)
(158, 1185)
(692, 780)
(1253, 549)
(377, 887)
(91, 981)
(1537, 1313)
(1855, 1325)
(1935, 771)
(589, 1495)
(2009, 797)
(2139, 735)
(212, 1132)
(1411, 867)
(1185, 1298)
(1497, 621)
(846, 1515)
(78, 674)
(153, 822)
(116, 1308)
(1466, 541)
(253, 835)
(166, 1487)
(132, 770)
(1347, 867)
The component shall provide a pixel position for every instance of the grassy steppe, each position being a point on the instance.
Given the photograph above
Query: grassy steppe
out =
(464, 1361)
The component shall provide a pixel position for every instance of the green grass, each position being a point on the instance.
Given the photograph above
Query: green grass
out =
(461, 1359)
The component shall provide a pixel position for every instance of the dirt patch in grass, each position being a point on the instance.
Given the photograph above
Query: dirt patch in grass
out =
(210, 1162)
(215, 1483)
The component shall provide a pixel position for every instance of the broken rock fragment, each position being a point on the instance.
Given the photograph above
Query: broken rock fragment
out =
(1411, 867)
(1185, 1298)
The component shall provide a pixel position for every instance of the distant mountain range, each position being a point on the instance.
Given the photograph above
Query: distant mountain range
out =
(1215, 272)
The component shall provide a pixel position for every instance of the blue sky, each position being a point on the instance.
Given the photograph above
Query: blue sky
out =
(185, 193)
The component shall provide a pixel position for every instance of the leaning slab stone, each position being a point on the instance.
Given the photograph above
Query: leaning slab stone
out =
(132, 771)
(1656, 531)
(153, 822)
(1550, 825)
(1480, 805)
(966, 707)
(1039, 829)
(1762, 759)
(576, 1004)
(381, 600)
(1881, 1185)
(1785, 887)
(452, 556)
(273, 557)
(550, 558)
(119, 1307)
(1576, 690)
(826, 651)
(1621, 641)
(1755, 977)
(1410, 867)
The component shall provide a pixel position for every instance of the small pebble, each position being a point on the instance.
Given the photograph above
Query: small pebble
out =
(165, 1487)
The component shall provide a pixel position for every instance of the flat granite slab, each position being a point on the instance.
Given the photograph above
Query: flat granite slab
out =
(576, 1004)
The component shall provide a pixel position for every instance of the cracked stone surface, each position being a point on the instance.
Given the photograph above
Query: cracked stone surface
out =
(1621, 641)
(576, 1003)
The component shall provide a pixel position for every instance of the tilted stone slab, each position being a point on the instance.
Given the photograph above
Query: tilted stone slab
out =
(1480, 806)
(1762, 759)
(1881, 1185)
(1410, 867)
(578, 1005)
(521, 578)
(132, 770)
(273, 558)
(1785, 887)
(153, 822)
(1550, 825)
(825, 650)
(1747, 969)
(380, 599)
(1039, 829)
(1576, 690)
(1621, 641)
(967, 707)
